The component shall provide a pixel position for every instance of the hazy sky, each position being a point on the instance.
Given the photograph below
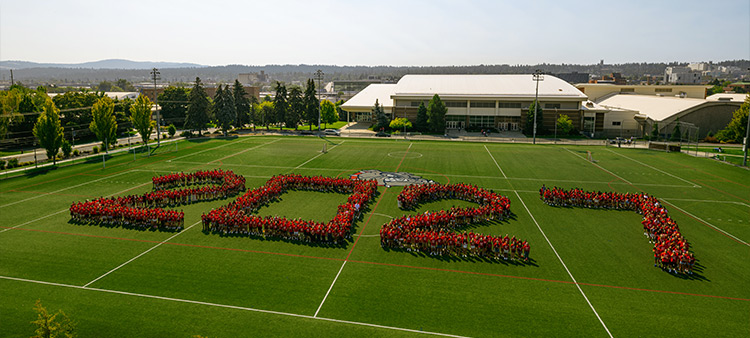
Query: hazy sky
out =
(384, 32)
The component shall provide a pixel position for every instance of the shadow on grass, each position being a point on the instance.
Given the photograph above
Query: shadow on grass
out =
(127, 227)
(31, 173)
(696, 276)
(470, 259)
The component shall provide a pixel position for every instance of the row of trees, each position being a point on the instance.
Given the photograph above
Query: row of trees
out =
(430, 118)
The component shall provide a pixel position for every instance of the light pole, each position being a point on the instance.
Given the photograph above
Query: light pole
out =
(155, 75)
(537, 76)
(319, 75)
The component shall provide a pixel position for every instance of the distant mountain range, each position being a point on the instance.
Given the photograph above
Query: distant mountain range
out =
(102, 64)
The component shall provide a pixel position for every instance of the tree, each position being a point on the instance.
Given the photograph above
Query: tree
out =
(103, 123)
(171, 130)
(265, 112)
(296, 107)
(736, 129)
(311, 104)
(48, 130)
(10, 101)
(253, 116)
(328, 112)
(564, 124)
(224, 109)
(400, 123)
(380, 117)
(52, 326)
(422, 119)
(529, 129)
(174, 104)
(197, 114)
(436, 114)
(140, 116)
(241, 104)
(655, 132)
(280, 104)
(676, 133)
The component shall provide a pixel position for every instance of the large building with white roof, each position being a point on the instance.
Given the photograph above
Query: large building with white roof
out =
(497, 101)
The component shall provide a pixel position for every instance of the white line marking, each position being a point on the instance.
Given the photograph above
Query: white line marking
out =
(63, 189)
(228, 306)
(244, 151)
(600, 167)
(209, 149)
(709, 201)
(329, 289)
(384, 215)
(142, 253)
(32, 221)
(709, 224)
(659, 170)
(493, 160)
(565, 266)
(316, 156)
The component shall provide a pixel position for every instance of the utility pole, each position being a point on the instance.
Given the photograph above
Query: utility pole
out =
(155, 75)
(537, 76)
(319, 75)
(11, 77)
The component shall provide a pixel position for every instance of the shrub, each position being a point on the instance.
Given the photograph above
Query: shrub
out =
(76, 152)
(186, 133)
(95, 150)
(2, 164)
(171, 130)
(66, 148)
(400, 123)
(12, 163)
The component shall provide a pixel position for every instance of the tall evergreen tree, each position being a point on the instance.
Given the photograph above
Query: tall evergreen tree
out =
(253, 114)
(174, 104)
(280, 104)
(48, 130)
(242, 104)
(103, 123)
(436, 114)
(224, 109)
(296, 107)
(422, 118)
(311, 104)
(380, 117)
(198, 107)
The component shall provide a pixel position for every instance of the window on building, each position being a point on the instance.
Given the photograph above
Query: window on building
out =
(455, 104)
(458, 118)
(663, 90)
(551, 106)
(627, 90)
(616, 123)
(510, 104)
(482, 121)
(482, 104)
(416, 103)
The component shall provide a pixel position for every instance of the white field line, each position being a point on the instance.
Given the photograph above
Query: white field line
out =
(709, 224)
(141, 254)
(209, 149)
(329, 289)
(493, 160)
(659, 170)
(32, 221)
(132, 294)
(244, 151)
(600, 167)
(318, 155)
(707, 201)
(63, 189)
(57, 212)
(565, 266)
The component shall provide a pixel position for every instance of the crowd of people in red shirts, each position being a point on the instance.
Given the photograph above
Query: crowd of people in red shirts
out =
(432, 232)
(237, 218)
(145, 211)
(671, 249)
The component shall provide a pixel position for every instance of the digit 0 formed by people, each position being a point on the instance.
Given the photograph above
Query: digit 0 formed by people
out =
(671, 249)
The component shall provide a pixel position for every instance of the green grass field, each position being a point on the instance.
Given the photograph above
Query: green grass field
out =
(592, 272)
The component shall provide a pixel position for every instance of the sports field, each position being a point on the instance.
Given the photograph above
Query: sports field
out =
(591, 272)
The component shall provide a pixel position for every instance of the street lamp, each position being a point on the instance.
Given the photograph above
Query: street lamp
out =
(319, 75)
(537, 76)
(155, 75)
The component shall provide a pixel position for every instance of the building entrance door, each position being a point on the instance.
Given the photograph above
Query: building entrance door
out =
(451, 124)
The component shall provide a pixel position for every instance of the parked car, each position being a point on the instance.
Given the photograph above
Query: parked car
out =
(335, 132)
(382, 134)
(306, 132)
